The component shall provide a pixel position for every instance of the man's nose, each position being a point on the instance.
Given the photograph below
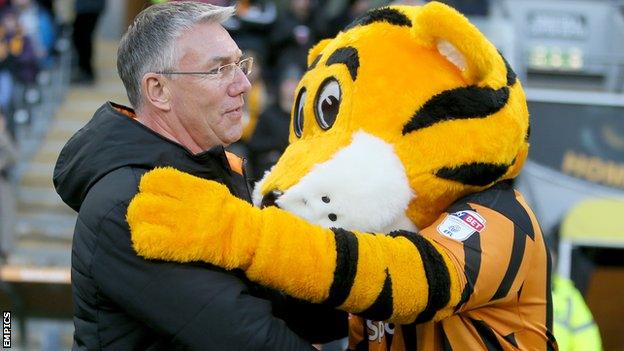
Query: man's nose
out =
(270, 198)
(240, 85)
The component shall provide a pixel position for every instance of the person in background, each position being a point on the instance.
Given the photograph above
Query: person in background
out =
(574, 326)
(349, 11)
(292, 36)
(38, 25)
(573, 323)
(270, 137)
(252, 24)
(257, 98)
(8, 157)
(256, 102)
(87, 14)
(18, 62)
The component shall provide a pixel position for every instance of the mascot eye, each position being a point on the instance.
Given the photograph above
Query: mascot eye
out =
(327, 103)
(298, 118)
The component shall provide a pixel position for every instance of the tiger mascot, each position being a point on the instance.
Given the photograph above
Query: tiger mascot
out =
(407, 123)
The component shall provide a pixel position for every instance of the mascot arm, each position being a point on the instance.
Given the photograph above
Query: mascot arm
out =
(400, 277)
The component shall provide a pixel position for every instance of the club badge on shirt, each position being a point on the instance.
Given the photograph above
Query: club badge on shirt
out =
(461, 225)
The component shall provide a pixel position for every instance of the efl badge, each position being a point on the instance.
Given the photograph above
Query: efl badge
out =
(461, 225)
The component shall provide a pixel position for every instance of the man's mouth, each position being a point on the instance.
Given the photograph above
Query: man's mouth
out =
(234, 112)
(235, 109)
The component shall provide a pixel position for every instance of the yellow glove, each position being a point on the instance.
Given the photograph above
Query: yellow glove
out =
(183, 218)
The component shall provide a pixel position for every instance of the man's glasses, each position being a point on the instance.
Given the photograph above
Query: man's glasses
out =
(222, 72)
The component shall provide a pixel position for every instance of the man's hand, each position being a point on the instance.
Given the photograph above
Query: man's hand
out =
(180, 217)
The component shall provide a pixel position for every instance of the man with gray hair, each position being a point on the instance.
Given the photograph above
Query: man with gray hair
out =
(185, 79)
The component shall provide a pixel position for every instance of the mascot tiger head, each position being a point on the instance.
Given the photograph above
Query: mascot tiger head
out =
(402, 113)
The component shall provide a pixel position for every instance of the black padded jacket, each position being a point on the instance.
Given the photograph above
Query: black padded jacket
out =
(124, 302)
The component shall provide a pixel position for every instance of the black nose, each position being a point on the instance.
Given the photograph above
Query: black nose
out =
(269, 198)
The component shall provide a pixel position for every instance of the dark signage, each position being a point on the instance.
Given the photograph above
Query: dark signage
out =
(583, 141)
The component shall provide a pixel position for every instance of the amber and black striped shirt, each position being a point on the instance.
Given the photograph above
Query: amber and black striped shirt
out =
(506, 300)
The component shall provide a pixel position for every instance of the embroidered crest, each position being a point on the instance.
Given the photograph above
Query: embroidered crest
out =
(461, 225)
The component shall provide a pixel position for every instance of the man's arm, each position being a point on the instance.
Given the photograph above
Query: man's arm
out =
(316, 323)
(201, 307)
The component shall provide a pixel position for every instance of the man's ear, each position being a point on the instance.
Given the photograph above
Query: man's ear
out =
(156, 91)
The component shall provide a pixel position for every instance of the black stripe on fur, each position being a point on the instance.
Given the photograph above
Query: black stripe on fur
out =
(348, 56)
(477, 173)
(381, 309)
(314, 62)
(511, 80)
(346, 266)
(436, 272)
(459, 103)
(391, 16)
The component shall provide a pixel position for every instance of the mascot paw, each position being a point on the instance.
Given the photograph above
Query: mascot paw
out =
(171, 202)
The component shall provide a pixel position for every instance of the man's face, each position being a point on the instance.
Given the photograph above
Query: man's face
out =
(208, 108)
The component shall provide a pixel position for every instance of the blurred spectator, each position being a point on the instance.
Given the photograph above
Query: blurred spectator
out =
(8, 156)
(256, 99)
(574, 326)
(17, 53)
(18, 62)
(349, 11)
(334, 15)
(87, 14)
(47, 4)
(256, 13)
(252, 24)
(293, 35)
(271, 135)
(573, 323)
(39, 26)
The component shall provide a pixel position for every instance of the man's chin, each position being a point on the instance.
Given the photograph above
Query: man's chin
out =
(232, 138)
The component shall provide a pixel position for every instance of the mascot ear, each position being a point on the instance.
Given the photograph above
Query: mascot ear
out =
(461, 43)
(316, 50)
